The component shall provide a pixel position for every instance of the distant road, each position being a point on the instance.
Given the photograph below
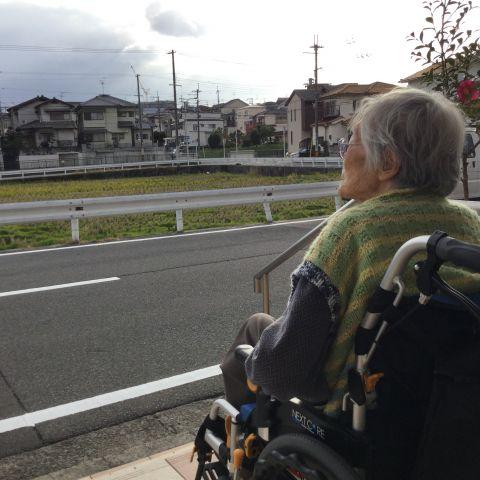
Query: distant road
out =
(81, 322)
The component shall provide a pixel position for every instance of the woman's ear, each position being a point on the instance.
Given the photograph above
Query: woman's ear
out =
(391, 166)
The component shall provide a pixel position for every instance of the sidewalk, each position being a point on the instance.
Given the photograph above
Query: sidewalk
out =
(173, 464)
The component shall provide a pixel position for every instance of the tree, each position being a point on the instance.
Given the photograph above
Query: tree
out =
(266, 132)
(255, 137)
(11, 145)
(215, 138)
(451, 51)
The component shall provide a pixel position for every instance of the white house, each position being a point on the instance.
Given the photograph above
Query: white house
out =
(203, 125)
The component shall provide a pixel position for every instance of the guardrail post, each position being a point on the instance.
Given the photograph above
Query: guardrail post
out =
(179, 218)
(268, 212)
(75, 230)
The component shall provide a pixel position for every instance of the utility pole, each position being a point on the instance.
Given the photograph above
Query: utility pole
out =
(172, 53)
(218, 97)
(159, 122)
(140, 113)
(197, 91)
(315, 47)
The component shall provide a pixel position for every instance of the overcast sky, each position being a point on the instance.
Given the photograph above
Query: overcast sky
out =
(253, 50)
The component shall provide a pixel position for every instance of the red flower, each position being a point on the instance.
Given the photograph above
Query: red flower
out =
(468, 92)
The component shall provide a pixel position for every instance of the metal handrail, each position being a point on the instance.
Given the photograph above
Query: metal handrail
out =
(261, 278)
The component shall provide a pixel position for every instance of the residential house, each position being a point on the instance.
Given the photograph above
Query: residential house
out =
(300, 115)
(160, 115)
(25, 112)
(46, 123)
(190, 126)
(56, 126)
(416, 80)
(244, 117)
(228, 112)
(337, 106)
(105, 122)
(275, 115)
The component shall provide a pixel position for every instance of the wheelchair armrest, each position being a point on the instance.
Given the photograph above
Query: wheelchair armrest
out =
(242, 352)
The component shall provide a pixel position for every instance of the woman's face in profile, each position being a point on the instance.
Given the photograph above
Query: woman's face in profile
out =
(358, 181)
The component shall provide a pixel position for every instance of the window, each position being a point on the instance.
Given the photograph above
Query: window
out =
(212, 125)
(291, 115)
(93, 115)
(95, 137)
(195, 127)
(124, 114)
(145, 136)
(291, 137)
(295, 115)
(60, 115)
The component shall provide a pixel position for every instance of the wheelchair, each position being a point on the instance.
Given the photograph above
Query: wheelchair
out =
(415, 359)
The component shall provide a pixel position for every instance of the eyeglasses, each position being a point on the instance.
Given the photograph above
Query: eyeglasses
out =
(343, 147)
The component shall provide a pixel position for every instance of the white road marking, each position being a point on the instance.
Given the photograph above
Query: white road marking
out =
(33, 418)
(164, 237)
(56, 287)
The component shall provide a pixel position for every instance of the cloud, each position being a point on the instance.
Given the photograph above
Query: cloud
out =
(77, 75)
(172, 23)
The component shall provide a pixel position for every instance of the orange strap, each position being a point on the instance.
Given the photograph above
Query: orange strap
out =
(371, 380)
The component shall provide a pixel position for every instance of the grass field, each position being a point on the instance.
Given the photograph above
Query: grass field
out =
(129, 226)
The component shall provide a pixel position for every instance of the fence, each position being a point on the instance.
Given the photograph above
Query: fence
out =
(65, 170)
(76, 209)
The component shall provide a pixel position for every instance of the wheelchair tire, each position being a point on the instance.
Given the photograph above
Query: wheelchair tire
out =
(313, 454)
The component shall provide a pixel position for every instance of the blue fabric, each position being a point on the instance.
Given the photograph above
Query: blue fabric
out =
(245, 411)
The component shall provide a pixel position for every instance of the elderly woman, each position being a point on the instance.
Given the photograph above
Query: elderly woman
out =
(401, 163)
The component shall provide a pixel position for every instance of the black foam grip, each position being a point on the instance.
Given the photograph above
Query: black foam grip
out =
(459, 253)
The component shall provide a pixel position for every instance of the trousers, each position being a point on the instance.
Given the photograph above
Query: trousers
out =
(234, 377)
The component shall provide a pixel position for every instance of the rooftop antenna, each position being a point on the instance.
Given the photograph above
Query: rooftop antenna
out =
(102, 81)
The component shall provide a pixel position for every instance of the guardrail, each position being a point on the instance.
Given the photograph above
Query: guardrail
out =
(316, 162)
(76, 209)
(262, 280)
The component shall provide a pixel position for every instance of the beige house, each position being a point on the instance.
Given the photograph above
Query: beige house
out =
(274, 115)
(54, 125)
(228, 112)
(244, 117)
(337, 106)
(105, 122)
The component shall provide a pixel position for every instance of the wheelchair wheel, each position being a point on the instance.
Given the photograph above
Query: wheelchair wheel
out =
(298, 456)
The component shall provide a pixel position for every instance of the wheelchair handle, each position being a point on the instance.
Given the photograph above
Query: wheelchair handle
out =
(462, 254)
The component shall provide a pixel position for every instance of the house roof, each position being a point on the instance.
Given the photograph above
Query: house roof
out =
(56, 125)
(227, 104)
(56, 100)
(106, 101)
(38, 98)
(374, 88)
(435, 66)
(309, 93)
(420, 73)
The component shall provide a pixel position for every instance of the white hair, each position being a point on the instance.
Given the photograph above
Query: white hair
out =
(423, 130)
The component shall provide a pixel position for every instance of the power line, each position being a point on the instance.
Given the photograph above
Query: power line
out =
(55, 49)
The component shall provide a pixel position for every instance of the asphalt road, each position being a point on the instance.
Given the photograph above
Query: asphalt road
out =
(176, 307)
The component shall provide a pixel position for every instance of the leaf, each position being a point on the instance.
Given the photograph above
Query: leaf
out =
(429, 19)
(421, 36)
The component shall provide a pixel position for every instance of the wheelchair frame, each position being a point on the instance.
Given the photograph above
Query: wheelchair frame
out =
(271, 418)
